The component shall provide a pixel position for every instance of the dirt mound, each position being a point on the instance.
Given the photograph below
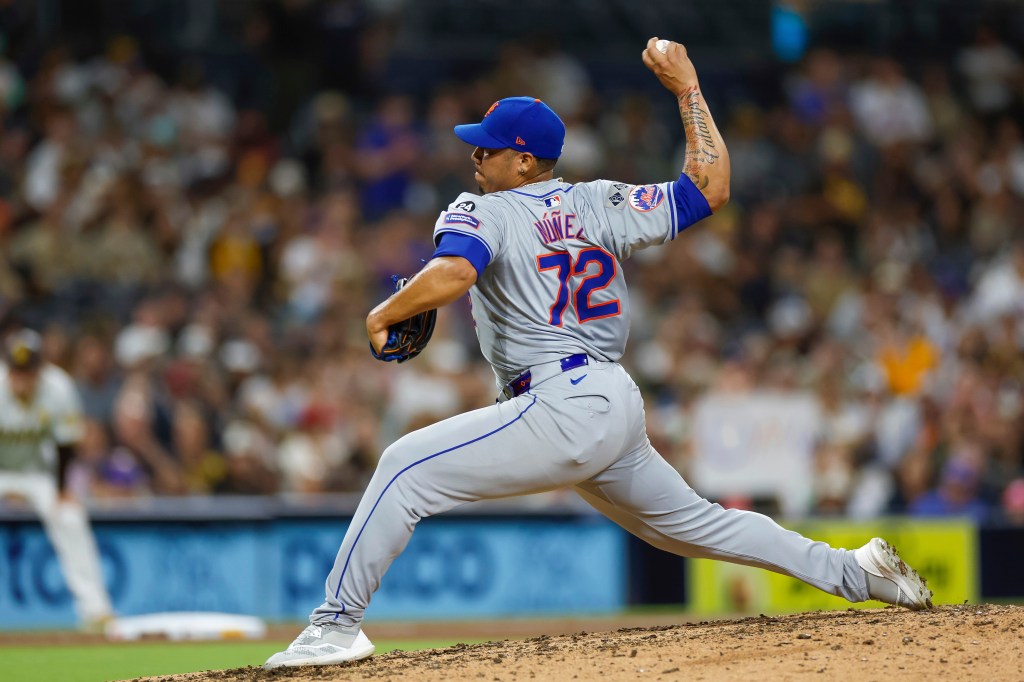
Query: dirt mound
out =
(976, 641)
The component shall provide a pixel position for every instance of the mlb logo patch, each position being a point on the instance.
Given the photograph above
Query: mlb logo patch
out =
(646, 198)
(461, 219)
(553, 202)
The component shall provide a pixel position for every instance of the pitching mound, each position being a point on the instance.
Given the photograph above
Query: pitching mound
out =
(954, 642)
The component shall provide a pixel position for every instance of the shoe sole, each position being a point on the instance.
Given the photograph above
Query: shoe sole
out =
(884, 556)
(347, 656)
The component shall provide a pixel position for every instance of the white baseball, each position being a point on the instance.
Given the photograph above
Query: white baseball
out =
(662, 46)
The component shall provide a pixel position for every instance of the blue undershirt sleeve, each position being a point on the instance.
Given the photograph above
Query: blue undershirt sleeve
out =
(690, 205)
(458, 244)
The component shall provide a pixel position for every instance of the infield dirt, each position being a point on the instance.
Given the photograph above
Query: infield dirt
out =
(982, 642)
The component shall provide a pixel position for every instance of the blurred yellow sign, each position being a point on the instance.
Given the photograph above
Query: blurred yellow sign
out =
(944, 552)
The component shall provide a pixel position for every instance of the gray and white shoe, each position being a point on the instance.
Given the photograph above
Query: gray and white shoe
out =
(322, 644)
(890, 579)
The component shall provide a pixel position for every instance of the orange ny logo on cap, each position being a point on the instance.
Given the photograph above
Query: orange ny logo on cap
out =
(520, 141)
(493, 107)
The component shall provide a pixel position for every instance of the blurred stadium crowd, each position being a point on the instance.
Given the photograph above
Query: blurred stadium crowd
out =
(203, 270)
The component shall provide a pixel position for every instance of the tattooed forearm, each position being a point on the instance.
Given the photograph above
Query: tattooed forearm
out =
(700, 181)
(701, 150)
(695, 120)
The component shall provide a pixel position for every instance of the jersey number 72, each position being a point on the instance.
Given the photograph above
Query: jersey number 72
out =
(601, 263)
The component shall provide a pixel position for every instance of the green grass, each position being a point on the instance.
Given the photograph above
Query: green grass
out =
(125, 661)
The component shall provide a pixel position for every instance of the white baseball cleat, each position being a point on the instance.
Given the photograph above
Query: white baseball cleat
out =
(322, 644)
(880, 559)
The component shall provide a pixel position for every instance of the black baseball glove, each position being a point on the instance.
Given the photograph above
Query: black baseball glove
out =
(408, 338)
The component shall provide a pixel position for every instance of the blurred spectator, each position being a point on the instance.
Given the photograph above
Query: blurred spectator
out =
(203, 468)
(314, 458)
(560, 78)
(888, 107)
(946, 109)
(250, 459)
(387, 150)
(122, 253)
(819, 93)
(95, 378)
(992, 71)
(906, 359)
(100, 471)
(43, 170)
(143, 415)
(1013, 502)
(1000, 289)
(959, 489)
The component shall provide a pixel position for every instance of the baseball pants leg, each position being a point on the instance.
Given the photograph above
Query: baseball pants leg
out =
(645, 495)
(556, 435)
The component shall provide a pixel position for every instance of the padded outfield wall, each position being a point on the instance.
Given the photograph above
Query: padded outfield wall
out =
(268, 558)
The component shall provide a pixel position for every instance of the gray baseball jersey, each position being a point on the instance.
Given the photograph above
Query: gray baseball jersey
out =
(551, 287)
(554, 286)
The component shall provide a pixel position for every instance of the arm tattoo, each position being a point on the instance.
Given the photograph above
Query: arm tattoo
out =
(700, 143)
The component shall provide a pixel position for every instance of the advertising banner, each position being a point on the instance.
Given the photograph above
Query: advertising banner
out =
(471, 569)
(452, 568)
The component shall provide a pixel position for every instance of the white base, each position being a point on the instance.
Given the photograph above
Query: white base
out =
(186, 625)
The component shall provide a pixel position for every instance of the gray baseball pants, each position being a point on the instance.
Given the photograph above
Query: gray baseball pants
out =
(584, 428)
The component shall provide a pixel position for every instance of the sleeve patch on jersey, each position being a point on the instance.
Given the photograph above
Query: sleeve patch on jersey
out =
(461, 219)
(465, 206)
(646, 198)
(619, 185)
(615, 200)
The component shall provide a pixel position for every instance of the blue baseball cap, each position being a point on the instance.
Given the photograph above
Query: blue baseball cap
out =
(521, 123)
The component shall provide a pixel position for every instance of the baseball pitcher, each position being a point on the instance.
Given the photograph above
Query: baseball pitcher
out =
(540, 259)
(40, 423)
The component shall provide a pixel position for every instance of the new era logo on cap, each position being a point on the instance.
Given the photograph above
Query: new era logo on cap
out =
(522, 123)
